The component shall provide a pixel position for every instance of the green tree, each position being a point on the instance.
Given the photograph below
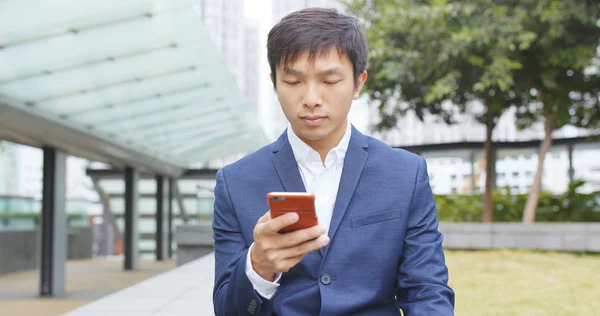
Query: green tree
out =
(560, 68)
(443, 58)
(539, 52)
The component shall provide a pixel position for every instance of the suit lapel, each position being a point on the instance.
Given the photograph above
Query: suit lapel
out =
(355, 160)
(286, 166)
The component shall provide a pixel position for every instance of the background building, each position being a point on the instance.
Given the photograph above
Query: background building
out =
(252, 57)
(450, 171)
(224, 22)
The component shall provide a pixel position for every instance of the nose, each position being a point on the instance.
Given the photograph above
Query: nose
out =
(312, 96)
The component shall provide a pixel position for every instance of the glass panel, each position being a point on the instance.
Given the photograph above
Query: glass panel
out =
(449, 172)
(206, 206)
(170, 130)
(586, 162)
(121, 67)
(555, 177)
(235, 145)
(514, 169)
(204, 141)
(194, 98)
(146, 244)
(122, 94)
(58, 42)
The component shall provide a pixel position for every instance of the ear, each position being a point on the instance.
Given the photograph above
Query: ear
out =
(360, 82)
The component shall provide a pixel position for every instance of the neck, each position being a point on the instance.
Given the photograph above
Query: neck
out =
(325, 145)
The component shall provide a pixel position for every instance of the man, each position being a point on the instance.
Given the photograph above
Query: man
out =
(377, 247)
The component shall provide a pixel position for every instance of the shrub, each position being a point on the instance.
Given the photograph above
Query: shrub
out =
(567, 207)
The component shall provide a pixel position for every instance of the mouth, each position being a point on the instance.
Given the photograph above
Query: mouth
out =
(313, 120)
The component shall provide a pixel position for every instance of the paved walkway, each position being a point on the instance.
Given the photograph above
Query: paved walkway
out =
(87, 280)
(184, 291)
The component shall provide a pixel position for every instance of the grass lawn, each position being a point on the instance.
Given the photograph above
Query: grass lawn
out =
(512, 282)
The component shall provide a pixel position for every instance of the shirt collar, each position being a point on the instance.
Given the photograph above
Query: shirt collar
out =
(304, 154)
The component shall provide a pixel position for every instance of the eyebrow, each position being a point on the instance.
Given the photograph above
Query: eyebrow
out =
(331, 71)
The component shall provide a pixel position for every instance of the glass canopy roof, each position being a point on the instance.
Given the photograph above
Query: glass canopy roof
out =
(142, 74)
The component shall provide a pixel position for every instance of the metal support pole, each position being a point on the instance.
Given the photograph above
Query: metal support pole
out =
(161, 236)
(53, 227)
(131, 219)
(170, 219)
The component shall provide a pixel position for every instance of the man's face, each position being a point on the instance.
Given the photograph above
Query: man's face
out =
(316, 96)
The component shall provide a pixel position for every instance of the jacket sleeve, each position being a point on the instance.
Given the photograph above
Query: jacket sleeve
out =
(233, 294)
(422, 273)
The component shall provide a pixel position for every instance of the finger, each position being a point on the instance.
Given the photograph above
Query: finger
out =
(274, 225)
(304, 248)
(266, 217)
(284, 265)
(301, 236)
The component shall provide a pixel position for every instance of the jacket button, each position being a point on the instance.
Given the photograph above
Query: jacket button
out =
(325, 278)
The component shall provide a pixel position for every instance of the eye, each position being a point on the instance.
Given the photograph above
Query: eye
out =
(331, 82)
(292, 83)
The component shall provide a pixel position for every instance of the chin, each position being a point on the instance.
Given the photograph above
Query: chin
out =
(313, 134)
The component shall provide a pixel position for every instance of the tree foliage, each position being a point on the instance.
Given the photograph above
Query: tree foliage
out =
(443, 56)
(424, 53)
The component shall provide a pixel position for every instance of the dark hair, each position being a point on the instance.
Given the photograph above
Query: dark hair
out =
(316, 30)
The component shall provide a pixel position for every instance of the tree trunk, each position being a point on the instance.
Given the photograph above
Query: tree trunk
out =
(534, 193)
(488, 207)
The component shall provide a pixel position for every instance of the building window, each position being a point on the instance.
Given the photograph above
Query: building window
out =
(515, 174)
(453, 178)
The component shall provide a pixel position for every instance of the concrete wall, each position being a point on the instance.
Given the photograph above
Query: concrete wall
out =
(79, 243)
(552, 237)
(195, 241)
(19, 248)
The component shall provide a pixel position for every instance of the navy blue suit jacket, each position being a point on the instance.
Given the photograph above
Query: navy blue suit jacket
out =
(385, 250)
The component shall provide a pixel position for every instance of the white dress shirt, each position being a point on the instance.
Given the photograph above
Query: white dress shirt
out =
(321, 179)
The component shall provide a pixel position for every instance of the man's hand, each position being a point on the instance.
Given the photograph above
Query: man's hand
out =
(273, 252)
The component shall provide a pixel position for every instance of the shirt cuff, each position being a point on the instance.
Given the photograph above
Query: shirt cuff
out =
(265, 288)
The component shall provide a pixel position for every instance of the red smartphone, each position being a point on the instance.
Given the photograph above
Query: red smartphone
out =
(298, 202)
